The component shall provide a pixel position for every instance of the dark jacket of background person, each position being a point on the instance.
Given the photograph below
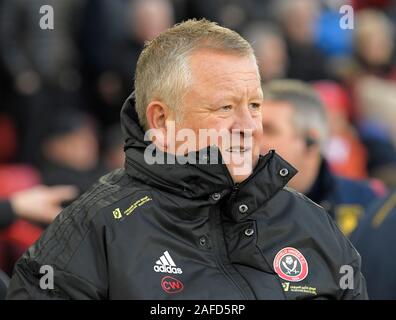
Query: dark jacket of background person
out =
(4, 281)
(222, 236)
(344, 199)
(7, 215)
(374, 239)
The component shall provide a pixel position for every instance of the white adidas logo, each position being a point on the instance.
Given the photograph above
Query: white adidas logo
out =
(166, 264)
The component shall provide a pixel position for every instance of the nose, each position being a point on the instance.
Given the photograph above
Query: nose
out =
(245, 123)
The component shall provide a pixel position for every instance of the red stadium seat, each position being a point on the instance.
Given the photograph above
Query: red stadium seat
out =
(8, 141)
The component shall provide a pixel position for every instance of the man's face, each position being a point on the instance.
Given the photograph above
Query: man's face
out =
(272, 62)
(77, 149)
(225, 95)
(279, 133)
(150, 18)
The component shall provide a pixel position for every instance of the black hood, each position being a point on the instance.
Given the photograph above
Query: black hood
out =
(133, 132)
(196, 180)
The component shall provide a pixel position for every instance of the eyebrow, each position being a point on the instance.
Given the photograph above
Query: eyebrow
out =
(229, 94)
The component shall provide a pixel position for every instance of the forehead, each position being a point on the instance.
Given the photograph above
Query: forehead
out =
(277, 111)
(216, 70)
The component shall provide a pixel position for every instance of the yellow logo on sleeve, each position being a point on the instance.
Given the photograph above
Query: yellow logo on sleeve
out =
(298, 288)
(137, 204)
(118, 214)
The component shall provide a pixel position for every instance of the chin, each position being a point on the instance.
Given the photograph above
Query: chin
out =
(241, 168)
(240, 178)
(240, 173)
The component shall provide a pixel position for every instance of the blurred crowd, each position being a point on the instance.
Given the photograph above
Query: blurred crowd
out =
(61, 91)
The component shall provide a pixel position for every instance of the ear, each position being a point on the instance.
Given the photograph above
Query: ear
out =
(157, 114)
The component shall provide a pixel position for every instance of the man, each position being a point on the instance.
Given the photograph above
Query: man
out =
(270, 49)
(298, 20)
(206, 229)
(373, 238)
(70, 150)
(295, 125)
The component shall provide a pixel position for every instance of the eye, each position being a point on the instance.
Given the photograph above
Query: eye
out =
(255, 106)
(225, 108)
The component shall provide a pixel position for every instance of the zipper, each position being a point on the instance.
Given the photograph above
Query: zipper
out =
(216, 243)
(234, 191)
(217, 248)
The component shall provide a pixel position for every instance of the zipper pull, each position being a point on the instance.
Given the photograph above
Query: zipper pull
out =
(234, 191)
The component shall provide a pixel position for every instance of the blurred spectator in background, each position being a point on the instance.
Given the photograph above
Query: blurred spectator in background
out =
(295, 125)
(374, 46)
(37, 60)
(103, 27)
(361, 4)
(270, 49)
(234, 14)
(141, 21)
(70, 151)
(17, 234)
(376, 102)
(345, 154)
(145, 19)
(114, 155)
(298, 19)
(374, 238)
(372, 79)
(333, 41)
(38, 204)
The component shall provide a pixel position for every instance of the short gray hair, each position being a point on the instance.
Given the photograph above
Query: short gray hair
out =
(162, 70)
(310, 113)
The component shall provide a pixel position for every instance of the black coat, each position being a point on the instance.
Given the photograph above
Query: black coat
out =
(374, 238)
(188, 232)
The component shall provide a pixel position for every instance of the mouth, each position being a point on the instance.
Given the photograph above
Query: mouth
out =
(238, 149)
